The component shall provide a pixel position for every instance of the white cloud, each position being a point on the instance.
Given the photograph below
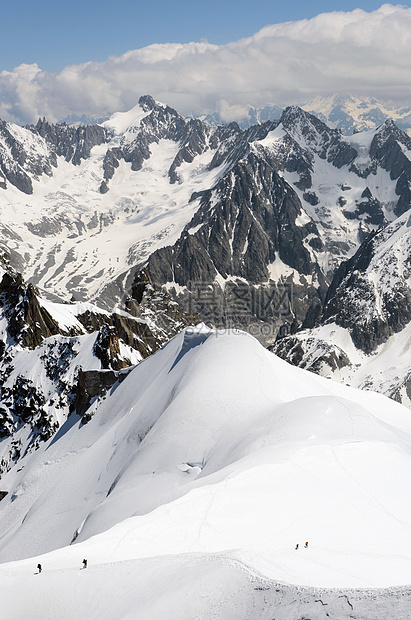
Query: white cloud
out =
(354, 52)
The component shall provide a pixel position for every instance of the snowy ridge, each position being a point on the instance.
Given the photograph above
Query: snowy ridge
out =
(125, 123)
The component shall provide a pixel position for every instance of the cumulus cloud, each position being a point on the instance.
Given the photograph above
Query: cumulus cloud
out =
(350, 52)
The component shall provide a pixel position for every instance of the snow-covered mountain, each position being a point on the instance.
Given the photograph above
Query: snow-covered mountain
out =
(352, 113)
(191, 484)
(255, 115)
(78, 120)
(361, 335)
(349, 113)
(298, 200)
(187, 470)
(65, 234)
(83, 209)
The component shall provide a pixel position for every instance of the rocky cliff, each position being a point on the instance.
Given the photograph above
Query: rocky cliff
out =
(361, 333)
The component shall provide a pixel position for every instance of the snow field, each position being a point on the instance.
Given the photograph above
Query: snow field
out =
(215, 446)
(183, 587)
(86, 238)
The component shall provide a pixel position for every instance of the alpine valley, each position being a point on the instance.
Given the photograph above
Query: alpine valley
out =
(144, 428)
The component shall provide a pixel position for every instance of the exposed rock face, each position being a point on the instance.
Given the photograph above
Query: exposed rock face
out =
(370, 295)
(12, 160)
(107, 348)
(193, 142)
(140, 284)
(28, 322)
(132, 332)
(162, 123)
(368, 207)
(23, 405)
(387, 150)
(34, 363)
(90, 384)
(148, 303)
(72, 143)
(327, 143)
(318, 357)
(248, 220)
(366, 313)
(26, 156)
(110, 163)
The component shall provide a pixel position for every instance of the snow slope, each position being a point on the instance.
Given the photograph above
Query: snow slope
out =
(184, 587)
(215, 446)
(99, 234)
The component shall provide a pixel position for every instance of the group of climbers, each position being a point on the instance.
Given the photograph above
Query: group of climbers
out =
(39, 567)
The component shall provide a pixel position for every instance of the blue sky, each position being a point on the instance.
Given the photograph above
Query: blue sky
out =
(54, 34)
(95, 59)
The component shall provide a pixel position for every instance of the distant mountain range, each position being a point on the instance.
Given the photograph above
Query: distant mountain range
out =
(350, 113)
(79, 120)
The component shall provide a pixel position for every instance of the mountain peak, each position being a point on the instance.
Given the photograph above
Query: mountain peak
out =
(291, 113)
(307, 129)
(146, 102)
(389, 129)
(293, 116)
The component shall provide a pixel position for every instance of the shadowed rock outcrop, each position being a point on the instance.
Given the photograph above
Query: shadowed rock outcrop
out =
(28, 322)
(90, 384)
